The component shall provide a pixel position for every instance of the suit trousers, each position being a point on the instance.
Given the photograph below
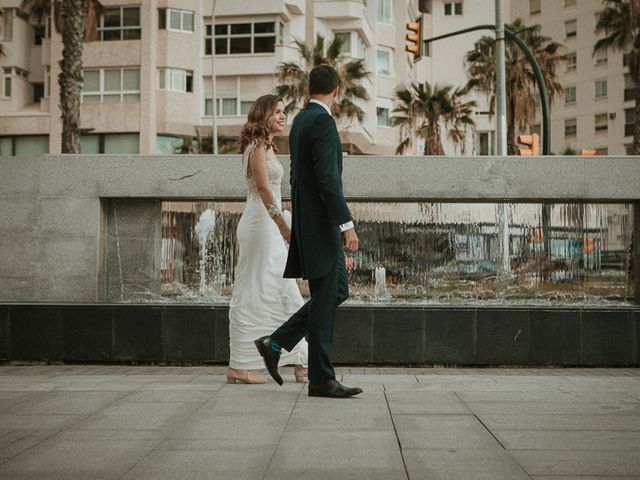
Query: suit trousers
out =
(315, 320)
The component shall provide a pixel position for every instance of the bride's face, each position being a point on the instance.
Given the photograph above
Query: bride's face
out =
(277, 120)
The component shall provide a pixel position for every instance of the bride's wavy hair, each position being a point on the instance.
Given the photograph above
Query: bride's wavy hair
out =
(257, 126)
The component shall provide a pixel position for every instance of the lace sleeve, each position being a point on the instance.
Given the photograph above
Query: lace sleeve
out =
(247, 155)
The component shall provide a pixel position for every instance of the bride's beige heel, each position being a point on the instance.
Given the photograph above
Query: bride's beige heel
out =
(300, 372)
(243, 376)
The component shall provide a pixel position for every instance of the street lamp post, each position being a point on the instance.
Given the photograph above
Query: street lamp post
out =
(214, 124)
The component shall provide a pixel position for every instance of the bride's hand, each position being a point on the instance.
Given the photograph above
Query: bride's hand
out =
(285, 231)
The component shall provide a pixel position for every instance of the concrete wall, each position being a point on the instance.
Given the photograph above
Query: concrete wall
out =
(54, 208)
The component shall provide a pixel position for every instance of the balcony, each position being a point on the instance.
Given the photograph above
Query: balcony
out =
(340, 10)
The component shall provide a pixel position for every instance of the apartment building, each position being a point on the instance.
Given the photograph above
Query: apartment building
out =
(148, 77)
(596, 111)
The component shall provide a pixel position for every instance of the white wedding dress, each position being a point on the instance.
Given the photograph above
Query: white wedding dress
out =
(262, 299)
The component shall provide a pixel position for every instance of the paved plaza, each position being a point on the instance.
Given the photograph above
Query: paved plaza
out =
(154, 422)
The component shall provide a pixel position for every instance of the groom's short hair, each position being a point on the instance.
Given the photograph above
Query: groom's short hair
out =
(323, 79)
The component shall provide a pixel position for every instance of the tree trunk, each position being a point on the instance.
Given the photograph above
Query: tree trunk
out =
(70, 79)
(511, 127)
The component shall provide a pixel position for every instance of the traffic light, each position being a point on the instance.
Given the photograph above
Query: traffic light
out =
(531, 142)
(414, 39)
(588, 153)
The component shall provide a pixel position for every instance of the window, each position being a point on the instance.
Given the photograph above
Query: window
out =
(629, 88)
(112, 143)
(629, 121)
(383, 109)
(572, 61)
(600, 57)
(24, 145)
(175, 20)
(601, 122)
(570, 28)
(570, 95)
(453, 8)
(383, 61)
(243, 38)
(38, 92)
(112, 85)
(245, 106)
(569, 3)
(534, 6)
(120, 23)
(626, 58)
(175, 80)
(484, 143)
(7, 25)
(570, 127)
(352, 44)
(226, 107)
(6, 82)
(384, 12)
(39, 33)
(601, 88)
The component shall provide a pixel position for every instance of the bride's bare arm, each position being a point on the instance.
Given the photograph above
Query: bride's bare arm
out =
(258, 170)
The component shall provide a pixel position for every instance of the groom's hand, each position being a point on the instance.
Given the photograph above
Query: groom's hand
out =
(350, 240)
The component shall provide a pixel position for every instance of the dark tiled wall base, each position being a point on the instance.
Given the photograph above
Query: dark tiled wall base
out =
(363, 335)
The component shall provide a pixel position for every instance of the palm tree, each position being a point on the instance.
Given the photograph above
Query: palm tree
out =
(77, 21)
(521, 83)
(620, 21)
(422, 109)
(293, 78)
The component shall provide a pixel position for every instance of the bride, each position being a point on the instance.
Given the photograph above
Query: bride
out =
(261, 298)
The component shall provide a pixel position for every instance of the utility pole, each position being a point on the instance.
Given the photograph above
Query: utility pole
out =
(501, 114)
(214, 106)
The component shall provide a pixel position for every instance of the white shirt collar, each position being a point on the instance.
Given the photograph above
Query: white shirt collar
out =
(313, 100)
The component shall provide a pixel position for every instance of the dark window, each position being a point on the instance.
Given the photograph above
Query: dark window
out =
(39, 34)
(264, 44)
(162, 18)
(240, 28)
(38, 92)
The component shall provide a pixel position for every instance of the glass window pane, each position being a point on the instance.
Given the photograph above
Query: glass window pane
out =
(161, 77)
(187, 21)
(91, 81)
(109, 35)
(221, 46)
(111, 98)
(175, 20)
(447, 9)
(208, 106)
(268, 27)
(7, 86)
(264, 44)
(383, 116)
(6, 146)
(131, 16)
(91, 98)
(239, 28)
(121, 143)
(133, 34)
(131, 80)
(178, 80)
(222, 29)
(229, 106)
(112, 80)
(458, 8)
(32, 145)
(240, 45)
(245, 107)
(90, 144)
(345, 37)
(384, 62)
(131, 97)
(207, 30)
(207, 46)
(112, 17)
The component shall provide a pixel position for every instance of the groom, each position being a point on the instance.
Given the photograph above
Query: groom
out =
(322, 229)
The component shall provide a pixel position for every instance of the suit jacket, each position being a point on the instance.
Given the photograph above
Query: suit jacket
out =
(317, 201)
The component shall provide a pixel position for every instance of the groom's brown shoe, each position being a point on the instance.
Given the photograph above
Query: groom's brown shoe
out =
(332, 388)
(269, 356)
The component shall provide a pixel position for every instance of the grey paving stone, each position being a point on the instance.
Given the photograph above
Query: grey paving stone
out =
(169, 396)
(76, 460)
(354, 455)
(209, 425)
(567, 407)
(425, 402)
(67, 403)
(137, 416)
(39, 422)
(546, 396)
(586, 462)
(568, 440)
(561, 422)
(457, 464)
(223, 463)
(442, 432)
(22, 440)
